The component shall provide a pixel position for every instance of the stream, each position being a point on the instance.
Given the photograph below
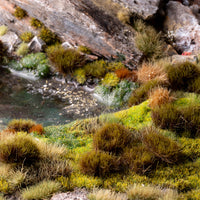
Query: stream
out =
(49, 102)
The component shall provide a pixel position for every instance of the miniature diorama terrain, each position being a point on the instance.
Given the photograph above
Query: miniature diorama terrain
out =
(99, 100)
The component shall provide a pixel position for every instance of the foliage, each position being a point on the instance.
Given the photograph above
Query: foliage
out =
(160, 96)
(3, 51)
(38, 128)
(19, 149)
(110, 80)
(149, 71)
(124, 73)
(112, 138)
(80, 75)
(149, 42)
(43, 70)
(117, 96)
(97, 163)
(182, 75)
(41, 190)
(141, 94)
(113, 66)
(65, 59)
(20, 13)
(36, 23)
(124, 16)
(3, 30)
(26, 36)
(96, 68)
(84, 49)
(194, 86)
(23, 49)
(21, 125)
(48, 36)
(103, 194)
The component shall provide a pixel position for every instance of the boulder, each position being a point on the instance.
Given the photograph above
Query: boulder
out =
(183, 26)
(36, 44)
(11, 40)
(81, 22)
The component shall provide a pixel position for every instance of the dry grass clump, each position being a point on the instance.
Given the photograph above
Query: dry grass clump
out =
(3, 30)
(103, 194)
(150, 193)
(124, 73)
(150, 71)
(22, 49)
(38, 128)
(21, 125)
(124, 15)
(40, 191)
(160, 96)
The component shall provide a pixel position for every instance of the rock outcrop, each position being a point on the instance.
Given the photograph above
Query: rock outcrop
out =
(77, 22)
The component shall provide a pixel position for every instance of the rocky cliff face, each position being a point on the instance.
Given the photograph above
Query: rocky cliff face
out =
(81, 22)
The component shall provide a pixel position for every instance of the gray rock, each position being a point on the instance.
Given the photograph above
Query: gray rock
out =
(36, 44)
(183, 25)
(11, 40)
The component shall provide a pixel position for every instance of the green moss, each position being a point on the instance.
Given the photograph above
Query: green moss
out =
(23, 49)
(84, 49)
(48, 36)
(3, 30)
(26, 36)
(80, 75)
(110, 80)
(20, 13)
(36, 23)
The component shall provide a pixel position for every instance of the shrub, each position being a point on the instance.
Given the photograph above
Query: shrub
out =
(20, 13)
(150, 71)
(159, 96)
(36, 23)
(112, 138)
(48, 36)
(84, 49)
(80, 75)
(162, 147)
(3, 30)
(96, 68)
(21, 125)
(23, 49)
(113, 66)
(149, 43)
(194, 86)
(38, 128)
(181, 75)
(42, 190)
(110, 80)
(168, 117)
(124, 73)
(97, 163)
(139, 26)
(43, 70)
(26, 36)
(124, 16)
(19, 149)
(65, 59)
(106, 195)
(141, 94)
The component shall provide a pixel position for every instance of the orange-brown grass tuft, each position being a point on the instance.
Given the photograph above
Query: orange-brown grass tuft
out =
(150, 71)
(160, 96)
(38, 128)
(126, 74)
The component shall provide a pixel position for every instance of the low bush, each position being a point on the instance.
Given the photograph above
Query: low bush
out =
(98, 163)
(112, 138)
(160, 96)
(41, 190)
(141, 94)
(36, 23)
(113, 66)
(161, 146)
(23, 49)
(80, 75)
(124, 73)
(20, 13)
(150, 71)
(38, 128)
(21, 125)
(3, 30)
(65, 60)
(110, 80)
(43, 70)
(84, 49)
(96, 68)
(194, 86)
(26, 36)
(20, 149)
(48, 36)
(182, 75)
